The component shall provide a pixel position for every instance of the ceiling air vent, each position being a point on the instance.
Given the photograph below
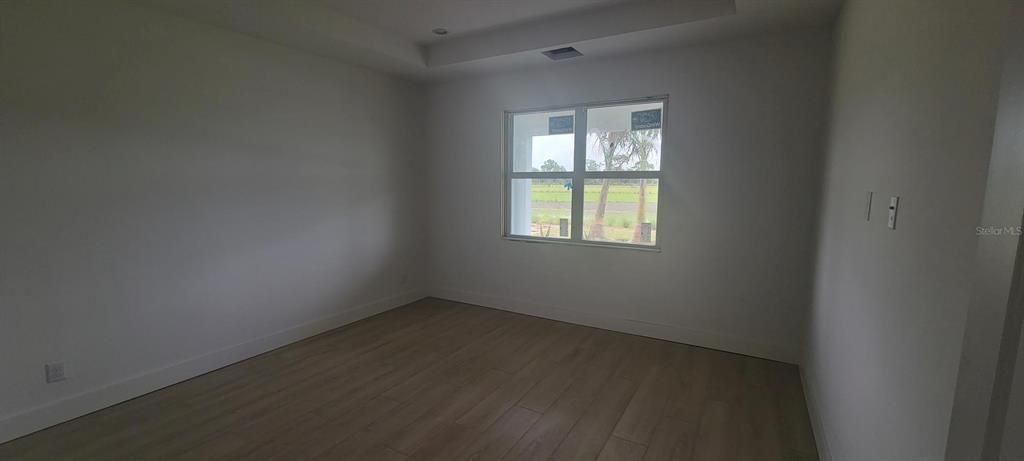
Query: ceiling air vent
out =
(562, 53)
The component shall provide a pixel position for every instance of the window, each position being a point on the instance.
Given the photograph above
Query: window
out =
(588, 173)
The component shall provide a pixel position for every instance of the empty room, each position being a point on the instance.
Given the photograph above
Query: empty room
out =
(614, 230)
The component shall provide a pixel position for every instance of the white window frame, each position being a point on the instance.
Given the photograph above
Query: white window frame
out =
(579, 175)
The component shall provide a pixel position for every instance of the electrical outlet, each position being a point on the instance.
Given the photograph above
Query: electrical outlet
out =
(55, 372)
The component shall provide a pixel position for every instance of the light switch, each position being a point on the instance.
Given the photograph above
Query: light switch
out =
(894, 204)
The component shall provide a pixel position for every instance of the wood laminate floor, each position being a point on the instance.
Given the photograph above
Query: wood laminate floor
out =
(439, 380)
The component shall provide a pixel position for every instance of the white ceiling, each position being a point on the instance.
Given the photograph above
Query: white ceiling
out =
(395, 35)
(415, 19)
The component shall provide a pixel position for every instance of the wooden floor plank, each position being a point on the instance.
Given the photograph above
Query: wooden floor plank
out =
(548, 390)
(617, 449)
(493, 443)
(590, 434)
(717, 433)
(439, 380)
(413, 437)
(688, 381)
(654, 391)
(590, 375)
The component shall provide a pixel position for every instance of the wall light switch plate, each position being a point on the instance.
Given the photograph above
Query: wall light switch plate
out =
(894, 204)
(55, 372)
(867, 205)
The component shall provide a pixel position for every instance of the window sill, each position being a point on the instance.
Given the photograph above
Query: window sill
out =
(554, 241)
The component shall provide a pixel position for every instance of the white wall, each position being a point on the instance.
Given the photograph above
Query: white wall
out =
(1011, 444)
(990, 326)
(175, 197)
(742, 163)
(913, 115)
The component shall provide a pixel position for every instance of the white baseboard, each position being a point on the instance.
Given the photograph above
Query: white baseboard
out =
(711, 340)
(26, 422)
(820, 434)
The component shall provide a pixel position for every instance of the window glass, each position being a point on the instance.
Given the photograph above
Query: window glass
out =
(620, 210)
(624, 138)
(541, 207)
(543, 141)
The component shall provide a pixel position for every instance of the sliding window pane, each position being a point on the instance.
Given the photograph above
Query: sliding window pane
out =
(621, 210)
(541, 207)
(624, 138)
(543, 141)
